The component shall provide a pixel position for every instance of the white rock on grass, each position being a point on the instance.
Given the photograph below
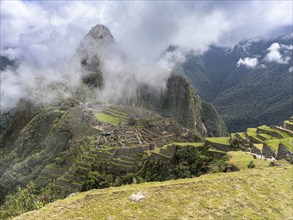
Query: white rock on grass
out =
(136, 197)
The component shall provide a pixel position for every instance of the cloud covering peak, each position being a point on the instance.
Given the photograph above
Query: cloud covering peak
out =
(43, 35)
(51, 30)
(274, 54)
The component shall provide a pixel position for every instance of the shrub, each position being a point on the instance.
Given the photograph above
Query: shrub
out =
(31, 198)
(96, 180)
(251, 165)
(24, 200)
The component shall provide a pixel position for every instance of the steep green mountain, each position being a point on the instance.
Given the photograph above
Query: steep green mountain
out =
(245, 95)
(263, 96)
(212, 120)
(181, 102)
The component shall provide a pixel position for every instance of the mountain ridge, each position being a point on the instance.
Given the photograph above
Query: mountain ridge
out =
(226, 77)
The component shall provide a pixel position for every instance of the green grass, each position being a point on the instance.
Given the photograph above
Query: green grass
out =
(259, 146)
(193, 144)
(252, 133)
(216, 150)
(219, 140)
(260, 193)
(242, 135)
(183, 144)
(266, 128)
(251, 130)
(266, 136)
(240, 159)
(274, 143)
(117, 112)
(107, 119)
(289, 122)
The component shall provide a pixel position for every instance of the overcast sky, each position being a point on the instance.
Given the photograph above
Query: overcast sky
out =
(46, 32)
(44, 35)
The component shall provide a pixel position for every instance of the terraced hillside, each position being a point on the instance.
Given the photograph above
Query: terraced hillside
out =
(124, 139)
(124, 136)
(289, 124)
(268, 141)
(120, 138)
(247, 194)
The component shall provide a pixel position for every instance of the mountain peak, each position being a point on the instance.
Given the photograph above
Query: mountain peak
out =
(100, 32)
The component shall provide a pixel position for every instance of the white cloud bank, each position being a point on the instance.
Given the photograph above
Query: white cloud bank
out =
(248, 62)
(44, 35)
(274, 54)
(49, 31)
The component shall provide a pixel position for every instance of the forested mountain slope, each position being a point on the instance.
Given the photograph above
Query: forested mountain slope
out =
(250, 84)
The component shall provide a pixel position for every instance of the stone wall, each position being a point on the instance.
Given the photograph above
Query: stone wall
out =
(288, 126)
(284, 153)
(267, 152)
(255, 150)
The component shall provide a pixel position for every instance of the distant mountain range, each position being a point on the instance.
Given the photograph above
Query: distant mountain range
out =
(250, 84)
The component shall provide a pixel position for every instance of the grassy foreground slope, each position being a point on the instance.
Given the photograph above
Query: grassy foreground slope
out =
(260, 193)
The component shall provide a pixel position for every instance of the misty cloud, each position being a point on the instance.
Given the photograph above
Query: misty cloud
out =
(248, 62)
(44, 35)
(274, 54)
(143, 29)
(122, 75)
